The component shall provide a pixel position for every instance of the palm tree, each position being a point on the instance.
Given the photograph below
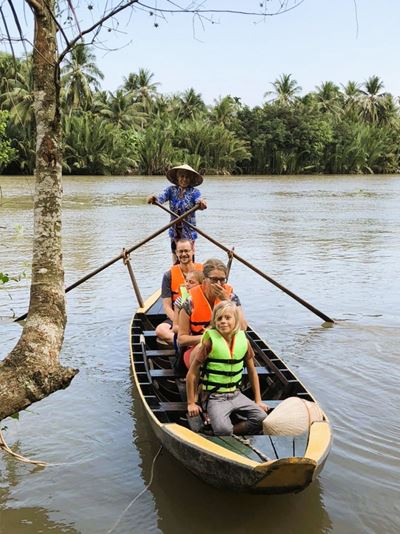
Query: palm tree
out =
(80, 77)
(92, 145)
(352, 96)
(387, 110)
(9, 69)
(122, 110)
(372, 100)
(166, 108)
(351, 89)
(285, 89)
(141, 82)
(142, 87)
(18, 99)
(225, 110)
(191, 104)
(328, 97)
(100, 101)
(130, 82)
(211, 146)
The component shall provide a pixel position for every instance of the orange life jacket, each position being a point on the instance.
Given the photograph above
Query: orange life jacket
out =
(201, 310)
(177, 279)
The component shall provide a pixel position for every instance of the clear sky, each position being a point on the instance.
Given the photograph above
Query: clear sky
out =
(320, 40)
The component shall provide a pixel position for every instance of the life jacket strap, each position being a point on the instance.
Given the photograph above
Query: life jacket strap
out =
(219, 385)
(224, 360)
(223, 373)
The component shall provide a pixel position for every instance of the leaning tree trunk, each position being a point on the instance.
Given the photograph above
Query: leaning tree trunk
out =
(32, 370)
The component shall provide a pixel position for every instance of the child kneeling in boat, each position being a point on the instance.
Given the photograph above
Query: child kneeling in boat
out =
(218, 367)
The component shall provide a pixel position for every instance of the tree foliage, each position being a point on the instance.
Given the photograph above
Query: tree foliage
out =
(352, 128)
(6, 152)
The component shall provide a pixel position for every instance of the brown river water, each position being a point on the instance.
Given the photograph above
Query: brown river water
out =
(332, 240)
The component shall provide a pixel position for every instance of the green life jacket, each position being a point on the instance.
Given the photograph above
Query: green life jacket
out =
(222, 371)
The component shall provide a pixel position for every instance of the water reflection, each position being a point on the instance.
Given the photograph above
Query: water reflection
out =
(32, 521)
(181, 499)
(26, 519)
(331, 240)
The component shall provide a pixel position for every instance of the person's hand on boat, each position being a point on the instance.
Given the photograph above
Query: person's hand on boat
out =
(151, 199)
(193, 409)
(202, 204)
(263, 406)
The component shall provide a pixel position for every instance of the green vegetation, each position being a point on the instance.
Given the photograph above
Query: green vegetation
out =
(137, 130)
(6, 152)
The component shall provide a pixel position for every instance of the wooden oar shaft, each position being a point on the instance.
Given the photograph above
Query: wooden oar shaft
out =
(255, 269)
(122, 255)
(131, 249)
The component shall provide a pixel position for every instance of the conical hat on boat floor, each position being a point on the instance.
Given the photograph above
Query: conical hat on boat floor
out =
(292, 417)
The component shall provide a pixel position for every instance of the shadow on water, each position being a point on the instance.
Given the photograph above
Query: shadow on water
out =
(31, 521)
(24, 519)
(183, 502)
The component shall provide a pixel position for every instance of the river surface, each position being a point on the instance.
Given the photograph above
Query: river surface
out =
(332, 240)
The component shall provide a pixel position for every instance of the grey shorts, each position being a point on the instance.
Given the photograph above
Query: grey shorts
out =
(222, 405)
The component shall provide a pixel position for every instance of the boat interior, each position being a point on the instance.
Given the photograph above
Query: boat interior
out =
(164, 390)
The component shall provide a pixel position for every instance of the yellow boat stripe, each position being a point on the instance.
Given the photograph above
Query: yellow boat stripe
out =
(319, 442)
(184, 434)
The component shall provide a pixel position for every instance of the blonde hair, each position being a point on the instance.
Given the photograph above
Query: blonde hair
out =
(197, 275)
(220, 309)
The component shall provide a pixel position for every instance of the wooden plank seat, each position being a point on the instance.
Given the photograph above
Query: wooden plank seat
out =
(160, 353)
(171, 373)
(149, 333)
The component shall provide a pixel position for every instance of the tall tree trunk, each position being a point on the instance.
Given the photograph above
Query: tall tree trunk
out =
(32, 370)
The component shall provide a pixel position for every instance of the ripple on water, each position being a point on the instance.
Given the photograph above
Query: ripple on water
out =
(333, 241)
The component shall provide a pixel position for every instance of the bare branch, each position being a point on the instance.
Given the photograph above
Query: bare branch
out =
(18, 25)
(8, 37)
(356, 16)
(100, 22)
(228, 11)
(70, 5)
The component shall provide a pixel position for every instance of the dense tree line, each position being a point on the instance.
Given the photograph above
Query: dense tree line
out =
(137, 130)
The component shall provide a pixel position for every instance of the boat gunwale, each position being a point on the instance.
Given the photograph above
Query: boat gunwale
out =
(219, 451)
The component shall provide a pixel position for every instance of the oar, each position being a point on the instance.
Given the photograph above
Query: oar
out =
(123, 254)
(253, 268)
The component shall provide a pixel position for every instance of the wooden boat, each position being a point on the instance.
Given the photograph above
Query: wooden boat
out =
(260, 464)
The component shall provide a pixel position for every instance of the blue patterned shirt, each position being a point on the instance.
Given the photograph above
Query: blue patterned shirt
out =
(179, 205)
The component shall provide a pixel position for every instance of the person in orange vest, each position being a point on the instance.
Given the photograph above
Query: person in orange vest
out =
(171, 284)
(196, 312)
(192, 279)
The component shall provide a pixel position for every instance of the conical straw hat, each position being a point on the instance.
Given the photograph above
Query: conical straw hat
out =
(292, 417)
(195, 177)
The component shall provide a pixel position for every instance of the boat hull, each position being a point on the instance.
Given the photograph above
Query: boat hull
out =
(215, 464)
(286, 475)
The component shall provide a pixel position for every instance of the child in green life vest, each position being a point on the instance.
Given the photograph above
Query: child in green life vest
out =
(192, 279)
(218, 367)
